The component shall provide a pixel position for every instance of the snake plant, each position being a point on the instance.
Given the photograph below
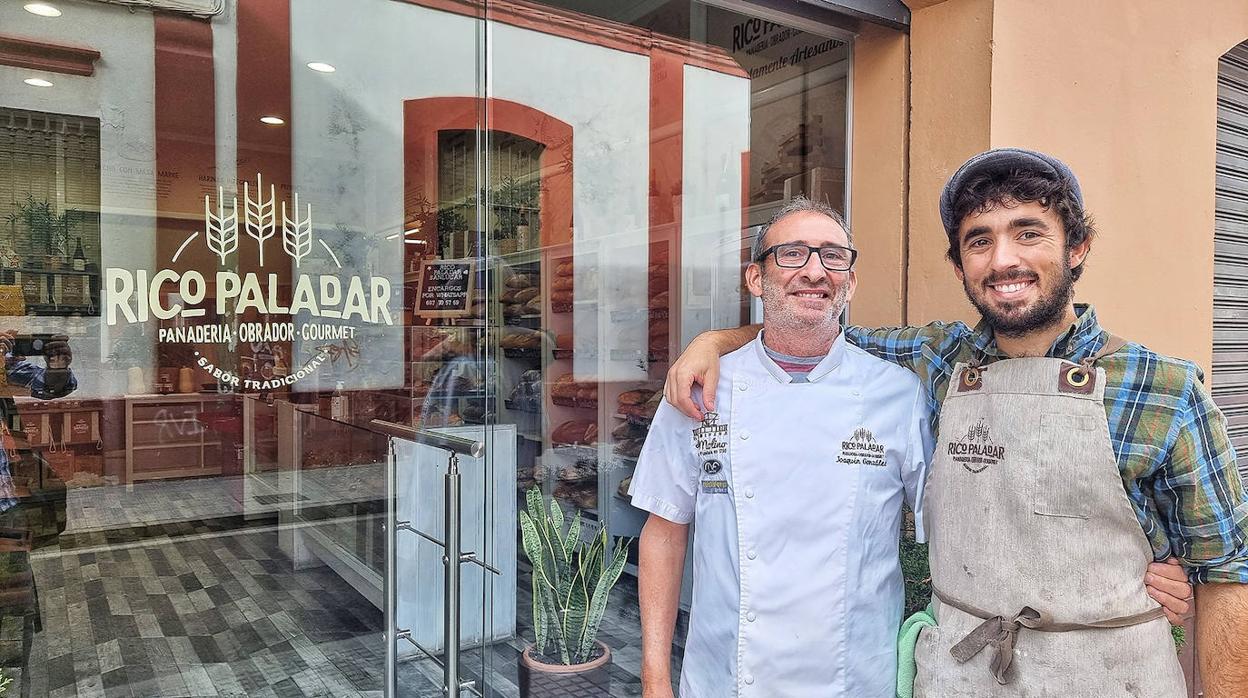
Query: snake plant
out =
(572, 578)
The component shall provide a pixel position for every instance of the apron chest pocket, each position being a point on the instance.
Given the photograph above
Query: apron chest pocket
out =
(1068, 445)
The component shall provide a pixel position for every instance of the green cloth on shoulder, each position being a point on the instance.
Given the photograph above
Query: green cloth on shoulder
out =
(907, 639)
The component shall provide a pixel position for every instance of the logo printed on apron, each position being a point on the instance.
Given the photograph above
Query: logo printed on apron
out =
(976, 450)
(861, 448)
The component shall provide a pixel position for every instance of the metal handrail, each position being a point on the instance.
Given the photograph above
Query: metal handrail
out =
(449, 442)
(453, 556)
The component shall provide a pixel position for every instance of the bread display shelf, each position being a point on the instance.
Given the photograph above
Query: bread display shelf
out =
(636, 355)
(652, 313)
(529, 321)
(517, 406)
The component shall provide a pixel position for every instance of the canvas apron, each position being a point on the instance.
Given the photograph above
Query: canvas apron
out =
(1037, 557)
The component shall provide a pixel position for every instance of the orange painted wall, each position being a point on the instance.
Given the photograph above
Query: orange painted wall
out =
(1125, 92)
(1130, 102)
(878, 175)
(950, 96)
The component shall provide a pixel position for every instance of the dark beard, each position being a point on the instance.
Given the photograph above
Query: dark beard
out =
(1047, 312)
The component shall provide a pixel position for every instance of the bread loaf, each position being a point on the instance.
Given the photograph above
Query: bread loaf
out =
(576, 431)
(635, 397)
(520, 281)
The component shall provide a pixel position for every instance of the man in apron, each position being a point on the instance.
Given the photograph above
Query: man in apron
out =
(797, 587)
(1067, 460)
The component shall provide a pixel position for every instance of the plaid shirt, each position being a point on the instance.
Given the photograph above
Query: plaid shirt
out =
(1170, 440)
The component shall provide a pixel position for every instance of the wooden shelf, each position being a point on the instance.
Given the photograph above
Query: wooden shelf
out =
(154, 447)
(189, 438)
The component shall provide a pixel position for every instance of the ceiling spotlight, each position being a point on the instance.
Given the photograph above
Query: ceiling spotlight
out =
(321, 67)
(272, 120)
(42, 9)
(37, 82)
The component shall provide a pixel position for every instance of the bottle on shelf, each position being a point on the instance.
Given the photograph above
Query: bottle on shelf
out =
(338, 403)
(522, 233)
(80, 257)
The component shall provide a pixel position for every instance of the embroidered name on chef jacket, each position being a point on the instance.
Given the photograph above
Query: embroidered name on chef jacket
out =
(861, 448)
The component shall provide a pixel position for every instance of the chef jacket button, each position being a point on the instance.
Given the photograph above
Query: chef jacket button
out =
(856, 393)
(751, 554)
(749, 679)
(745, 435)
(750, 616)
(742, 386)
(749, 493)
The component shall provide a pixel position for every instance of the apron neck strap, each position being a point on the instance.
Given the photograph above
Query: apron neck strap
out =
(1112, 344)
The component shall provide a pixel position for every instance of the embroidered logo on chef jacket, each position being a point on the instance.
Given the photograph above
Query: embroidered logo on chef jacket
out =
(862, 449)
(710, 438)
(976, 451)
(713, 481)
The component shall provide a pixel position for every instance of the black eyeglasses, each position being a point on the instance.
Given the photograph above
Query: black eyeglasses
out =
(794, 255)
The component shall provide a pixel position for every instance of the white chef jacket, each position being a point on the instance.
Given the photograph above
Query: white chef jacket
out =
(795, 490)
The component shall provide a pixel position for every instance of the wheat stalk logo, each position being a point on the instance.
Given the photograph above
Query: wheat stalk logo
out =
(260, 224)
(978, 432)
(260, 214)
(862, 435)
(297, 233)
(221, 228)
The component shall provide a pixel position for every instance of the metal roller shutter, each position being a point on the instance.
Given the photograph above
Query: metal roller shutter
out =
(1230, 265)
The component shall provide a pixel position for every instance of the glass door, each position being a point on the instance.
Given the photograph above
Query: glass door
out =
(631, 152)
(233, 235)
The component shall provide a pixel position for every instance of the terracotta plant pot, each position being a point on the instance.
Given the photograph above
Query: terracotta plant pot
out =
(588, 680)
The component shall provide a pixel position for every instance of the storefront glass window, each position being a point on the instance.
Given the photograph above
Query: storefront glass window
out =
(238, 236)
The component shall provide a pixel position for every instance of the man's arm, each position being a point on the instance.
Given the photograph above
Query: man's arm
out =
(918, 457)
(699, 363)
(20, 371)
(1222, 639)
(904, 346)
(661, 563)
(1201, 502)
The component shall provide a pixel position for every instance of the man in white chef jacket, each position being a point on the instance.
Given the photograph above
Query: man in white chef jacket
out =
(795, 486)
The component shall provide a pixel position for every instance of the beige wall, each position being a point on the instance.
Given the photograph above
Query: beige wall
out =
(1125, 92)
(950, 94)
(878, 175)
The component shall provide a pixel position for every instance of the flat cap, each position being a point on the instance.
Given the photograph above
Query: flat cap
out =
(999, 161)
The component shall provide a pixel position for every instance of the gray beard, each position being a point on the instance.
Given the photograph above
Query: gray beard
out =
(776, 312)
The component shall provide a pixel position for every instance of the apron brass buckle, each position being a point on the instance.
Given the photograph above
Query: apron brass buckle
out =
(970, 379)
(1076, 379)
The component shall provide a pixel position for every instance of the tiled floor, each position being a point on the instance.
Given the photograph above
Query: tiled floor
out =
(114, 507)
(203, 615)
(212, 607)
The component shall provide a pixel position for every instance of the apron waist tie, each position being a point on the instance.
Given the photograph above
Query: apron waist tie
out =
(1002, 633)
